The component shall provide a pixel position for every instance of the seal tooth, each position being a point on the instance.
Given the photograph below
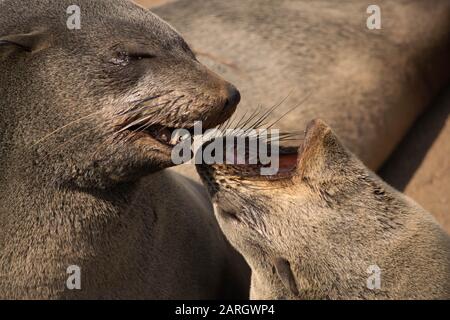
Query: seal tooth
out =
(175, 138)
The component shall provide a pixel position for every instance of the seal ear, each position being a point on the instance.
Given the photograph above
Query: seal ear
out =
(321, 153)
(284, 272)
(25, 42)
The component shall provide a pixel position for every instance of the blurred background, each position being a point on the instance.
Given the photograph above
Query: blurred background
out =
(420, 166)
(152, 3)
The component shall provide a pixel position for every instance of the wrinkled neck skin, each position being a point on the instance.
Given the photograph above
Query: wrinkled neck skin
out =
(46, 228)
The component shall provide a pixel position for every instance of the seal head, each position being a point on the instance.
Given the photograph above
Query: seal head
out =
(314, 229)
(97, 106)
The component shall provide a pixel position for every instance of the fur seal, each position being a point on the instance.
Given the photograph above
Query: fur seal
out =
(315, 229)
(369, 85)
(86, 116)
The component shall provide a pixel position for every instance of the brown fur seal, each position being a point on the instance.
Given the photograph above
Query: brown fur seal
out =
(86, 116)
(315, 229)
(369, 85)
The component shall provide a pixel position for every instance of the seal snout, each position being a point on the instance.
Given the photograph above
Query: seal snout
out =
(229, 98)
(233, 97)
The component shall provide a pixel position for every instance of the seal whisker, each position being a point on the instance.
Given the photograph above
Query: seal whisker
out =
(61, 146)
(226, 124)
(139, 104)
(65, 126)
(290, 110)
(242, 118)
(140, 108)
(265, 115)
(136, 122)
(256, 119)
(252, 116)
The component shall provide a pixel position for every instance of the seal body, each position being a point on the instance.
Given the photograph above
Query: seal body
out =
(87, 116)
(135, 242)
(370, 85)
(331, 229)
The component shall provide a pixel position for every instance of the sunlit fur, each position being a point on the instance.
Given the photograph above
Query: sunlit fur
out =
(315, 234)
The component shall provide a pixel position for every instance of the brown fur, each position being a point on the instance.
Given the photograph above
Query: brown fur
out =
(314, 234)
(77, 187)
(369, 85)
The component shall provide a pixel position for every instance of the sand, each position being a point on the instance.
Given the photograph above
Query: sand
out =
(420, 166)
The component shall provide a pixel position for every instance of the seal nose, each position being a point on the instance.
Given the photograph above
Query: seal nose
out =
(233, 97)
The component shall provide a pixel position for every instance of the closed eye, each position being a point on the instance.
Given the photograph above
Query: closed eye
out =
(123, 58)
(140, 56)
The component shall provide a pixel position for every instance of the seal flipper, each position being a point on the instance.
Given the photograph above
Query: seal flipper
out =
(284, 271)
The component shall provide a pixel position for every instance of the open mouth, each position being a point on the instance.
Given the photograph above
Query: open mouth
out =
(288, 160)
(284, 167)
(250, 164)
(167, 136)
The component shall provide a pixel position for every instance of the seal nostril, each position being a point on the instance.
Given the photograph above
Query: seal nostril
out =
(233, 97)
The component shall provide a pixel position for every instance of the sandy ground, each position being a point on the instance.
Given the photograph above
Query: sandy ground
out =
(420, 167)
